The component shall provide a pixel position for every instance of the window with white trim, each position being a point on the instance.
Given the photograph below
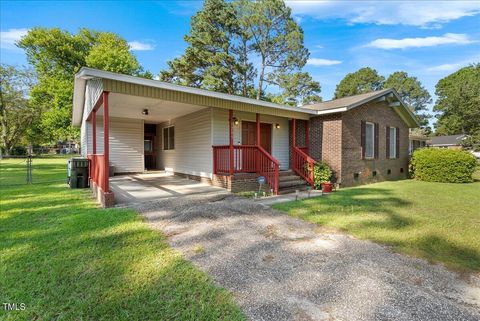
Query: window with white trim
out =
(369, 140)
(393, 142)
(169, 138)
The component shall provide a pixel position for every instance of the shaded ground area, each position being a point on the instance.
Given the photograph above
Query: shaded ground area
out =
(67, 259)
(282, 268)
(139, 188)
(435, 221)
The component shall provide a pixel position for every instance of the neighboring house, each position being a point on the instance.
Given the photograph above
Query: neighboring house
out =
(210, 136)
(451, 141)
(417, 140)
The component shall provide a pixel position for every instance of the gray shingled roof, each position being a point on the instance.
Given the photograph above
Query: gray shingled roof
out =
(347, 101)
(447, 140)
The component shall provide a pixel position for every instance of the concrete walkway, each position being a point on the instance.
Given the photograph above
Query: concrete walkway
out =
(282, 268)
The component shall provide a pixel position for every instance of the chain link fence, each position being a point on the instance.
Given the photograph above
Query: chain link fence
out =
(27, 170)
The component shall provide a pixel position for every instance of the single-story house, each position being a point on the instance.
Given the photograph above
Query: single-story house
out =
(131, 125)
(417, 140)
(451, 141)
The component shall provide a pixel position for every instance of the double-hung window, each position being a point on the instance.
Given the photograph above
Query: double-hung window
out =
(393, 142)
(169, 138)
(369, 140)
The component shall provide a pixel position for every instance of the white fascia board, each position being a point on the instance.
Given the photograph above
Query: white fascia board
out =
(332, 111)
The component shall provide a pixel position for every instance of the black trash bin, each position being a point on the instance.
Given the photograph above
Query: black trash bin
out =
(78, 172)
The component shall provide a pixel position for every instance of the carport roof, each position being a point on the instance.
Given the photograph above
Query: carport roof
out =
(88, 73)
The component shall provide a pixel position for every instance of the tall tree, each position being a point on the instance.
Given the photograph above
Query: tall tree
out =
(276, 38)
(458, 102)
(297, 89)
(362, 81)
(16, 112)
(411, 92)
(225, 39)
(56, 56)
(211, 60)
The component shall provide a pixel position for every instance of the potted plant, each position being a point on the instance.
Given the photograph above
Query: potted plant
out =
(321, 176)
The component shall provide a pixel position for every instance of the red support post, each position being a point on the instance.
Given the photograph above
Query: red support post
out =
(257, 138)
(105, 141)
(94, 132)
(230, 134)
(307, 136)
(257, 142)
(294, 132)
(294, 141)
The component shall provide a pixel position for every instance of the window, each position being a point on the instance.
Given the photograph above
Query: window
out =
(169, 138)
(148, 145)
(393, 142)
(369, 140)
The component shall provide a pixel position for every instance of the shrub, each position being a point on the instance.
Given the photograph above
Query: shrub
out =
(19, 151)
(443, 165)
(321, 174)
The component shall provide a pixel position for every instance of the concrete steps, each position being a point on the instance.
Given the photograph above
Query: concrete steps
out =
(289, 182)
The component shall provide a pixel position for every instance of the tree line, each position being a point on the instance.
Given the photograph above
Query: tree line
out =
(252, 49)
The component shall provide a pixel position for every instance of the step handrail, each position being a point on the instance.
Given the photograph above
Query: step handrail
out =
(303, 165)
(268, 167)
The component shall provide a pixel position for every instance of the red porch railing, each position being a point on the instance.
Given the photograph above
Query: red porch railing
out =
(269, 167)
(303, 165)
(247, 159)
(97, 170)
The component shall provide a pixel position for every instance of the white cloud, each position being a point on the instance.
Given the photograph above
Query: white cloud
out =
(141, 45)
(9, 38)
(450, 67)
(445, 67)
(322, 62)
(416, 13)
(446, 39)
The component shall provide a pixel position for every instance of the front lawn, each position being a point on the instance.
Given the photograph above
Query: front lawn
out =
(67, 259)
(435, 221)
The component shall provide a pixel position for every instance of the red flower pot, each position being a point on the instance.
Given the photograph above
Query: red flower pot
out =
(327, 187)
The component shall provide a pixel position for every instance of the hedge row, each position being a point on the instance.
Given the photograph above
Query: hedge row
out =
(443, 165)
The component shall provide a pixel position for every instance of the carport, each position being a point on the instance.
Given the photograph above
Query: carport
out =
(140, 188)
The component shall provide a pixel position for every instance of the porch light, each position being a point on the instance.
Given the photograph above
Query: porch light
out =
(235, 121)
(145, 112)
(277, 126)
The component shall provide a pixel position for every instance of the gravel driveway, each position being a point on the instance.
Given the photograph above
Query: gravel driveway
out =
(282, 268)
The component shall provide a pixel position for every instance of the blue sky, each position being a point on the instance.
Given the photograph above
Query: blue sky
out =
(428, 39)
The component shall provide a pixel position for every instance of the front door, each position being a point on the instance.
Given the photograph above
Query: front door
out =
(249, 134)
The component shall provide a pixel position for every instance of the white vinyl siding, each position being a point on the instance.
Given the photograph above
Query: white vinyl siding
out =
(126, 143)
(369, 140)
(193, 145)
(280, 136)
(393, 142)
(84, 131)
(93, 90)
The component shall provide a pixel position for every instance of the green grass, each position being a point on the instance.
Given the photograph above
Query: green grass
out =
(436, 221)
(67, 259)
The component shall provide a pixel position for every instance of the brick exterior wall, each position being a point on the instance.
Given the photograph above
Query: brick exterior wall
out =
(301, 136)
(336, 140)
(352, 161)
(240, 182)
(326, 141)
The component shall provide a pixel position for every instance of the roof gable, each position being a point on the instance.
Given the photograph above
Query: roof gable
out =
(447, 140)
(344, 104)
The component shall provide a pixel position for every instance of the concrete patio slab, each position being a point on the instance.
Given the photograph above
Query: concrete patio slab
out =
(139, 188)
